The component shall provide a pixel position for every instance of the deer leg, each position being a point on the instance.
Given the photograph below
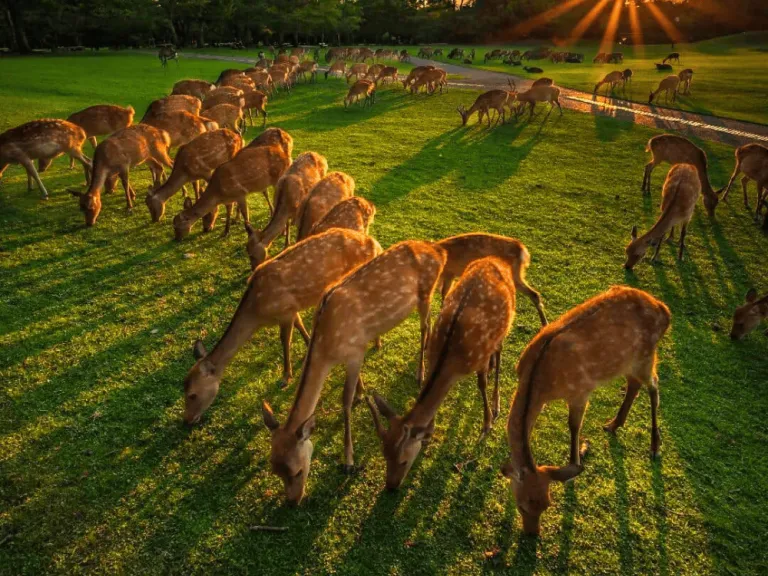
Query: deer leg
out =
(496, 408)
(653, 392)
(269, 202)
(286, 334)
(126, 187)
(575, 418)
(744, 184)
(29, 166)
(300, 327)
(424, 314)
(287, 235)
(656, 253)
(683, 229)
(633, 387)
(350, 388)
(228, 220)
(243, 205)
(482, 385)
(77, 154)
(196, 188)
(647, 177)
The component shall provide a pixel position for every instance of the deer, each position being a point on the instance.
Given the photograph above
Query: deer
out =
(277, 292)
(261, 79)
(362, 89)
(612, 79)
(332, 189)
(338, 68)
(530, 97)
(679, 196)
(308, 68)
(256, 100)
(354, 213)
(167, 53)
(117, 154)
(356, 70)
(600, 58)
(194, 161)
(686, 77)
(678, 150)
(386, 73)
(182, 127)
(220, 96)
(42, 140)
(226, 116)
(543, 81)
(291, 191)
(252, 169)
(280, 78)
(663, 67)
(674, 56)
(373, 71)
(533, 70)
(228, 73)
(752, 161)
(487, 101)
(667, 85)
(430, 79)
(102, 120)
(749, 315)
(467, 336)
(371, 300)
(173, 103)
(200, 89)
(414, 74)
(613, 334)
(231, 90)
(464, 249)
(242, 82)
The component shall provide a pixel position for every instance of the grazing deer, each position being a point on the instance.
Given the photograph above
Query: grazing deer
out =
(361, 89)
(167, 53)
(747, 317)
(119, 153)
(600, 58)
(430, 79)
(475, 319)
(368, 302)
(231, 90)
(243, 83)
(679, 196)
(674, 56)
(222, 96)
(678, 150)
(464, 249)
(612, 79)
(262, 80)
(550, 94)
(373, 72)
(291, 191)
(354, 213)
(667, 85)
(686, 77)
(274, 137)
(194, 162)
(277, 292)
(226, 116)
(543, 81)
(280, 78)
(252, 169)
(309, 69)
(256, 100)
(173, 103)
(42, 140)
(228, 73)
(752, 161)
(663, 67)
(611, 335)
(338, 68)
(102, 120)
(414, 74)
(198, 88)
(357, 70)
(387, 73)
(182, 127)
(487, 101)
(323, 196)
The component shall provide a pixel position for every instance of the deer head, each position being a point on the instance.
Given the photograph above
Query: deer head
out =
(747, 317)
(155, 205)
(291, 453)
(531, 490)
(512, 84)
(201, 385)
(463, 113)
(90, 205)
(636, 249)
(181, 227)
(257, 252)
(401, 444)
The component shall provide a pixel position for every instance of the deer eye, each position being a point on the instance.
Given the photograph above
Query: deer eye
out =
(192, 396)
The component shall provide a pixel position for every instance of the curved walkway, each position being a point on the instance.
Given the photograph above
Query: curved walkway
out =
(725, 130)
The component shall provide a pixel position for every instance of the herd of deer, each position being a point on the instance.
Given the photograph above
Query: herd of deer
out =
(360, 291)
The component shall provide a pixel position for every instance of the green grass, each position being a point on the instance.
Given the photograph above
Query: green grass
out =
(98, 474)
(729, 73)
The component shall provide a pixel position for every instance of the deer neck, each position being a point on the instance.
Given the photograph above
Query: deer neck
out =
(276, 224)
(97, 182)
(522, 417)
(706, 187)
(207, 202)
(313, 375)
(170, 187)
(430, 399)
(661, 226)
(244, 323)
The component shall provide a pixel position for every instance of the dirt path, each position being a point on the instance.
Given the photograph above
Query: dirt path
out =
(725, 130)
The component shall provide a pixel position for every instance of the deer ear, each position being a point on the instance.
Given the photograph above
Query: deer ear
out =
(420, 432)
(562, 473)
(269, 418)
(306, 429)
(385, 409)
(187, 203)
(633, 234)
(198, 350)
(751, 296)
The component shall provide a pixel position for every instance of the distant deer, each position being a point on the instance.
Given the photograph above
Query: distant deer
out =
(533, 70)
(198, 88)
(679, 196)
(614, 334)
(226, 116)
(42, 140)
(354, 213)
(290, 193)
(686, 77)
(600, 58)
(464, 249)
(308, 71)
(277, 292)
(430, 79)
(663, 67)
(752, 161)
(373, 72)
(194, 162)
(667, 85)
(262, 80)
(414, 74)
(673, 57)
(468, 334)
(678, 150)
(748, 317)
(167, 53)
(362, 89)
(335, 187)
(119, 153)
(613, 79)
(338, 68)
(487, 101)
(368, 302)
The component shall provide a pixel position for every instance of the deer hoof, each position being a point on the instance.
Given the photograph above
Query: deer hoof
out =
(610, 426)
(350, 469)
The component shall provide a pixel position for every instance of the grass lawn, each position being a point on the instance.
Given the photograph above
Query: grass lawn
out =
(729, 73)
(98, 474)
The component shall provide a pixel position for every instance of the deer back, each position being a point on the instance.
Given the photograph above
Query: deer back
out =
(45, 138)
(103, 119)
(328, 192)
(464, 249)
(354, 213)
(223, 97)
(181, 126)
(274, 137)
(204, 154)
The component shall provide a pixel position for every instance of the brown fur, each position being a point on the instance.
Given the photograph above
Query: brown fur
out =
(361, 89)
(752, 161)
(198, 88)
(487, 101)
(354, 213)
(102, 120)
(223, 96)
(430, 79)
(749, 316)
(387, 73)
(357, 70)
(182, 127)
(323, 196)
(173, 103)
(669, 84)
(256, 100)
(414, 74)
(226, 116)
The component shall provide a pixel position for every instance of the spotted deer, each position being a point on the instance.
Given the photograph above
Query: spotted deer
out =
(102, 120)
(430, 79)
(182, 127)
(748, 316)
(611, 335)
(368, 302)
(277, 292)
(226, 116)
(323, 196)
(487, 101)
(198, 88)
(173, 103)
(234, 97)
(354, 213)
(469, 332)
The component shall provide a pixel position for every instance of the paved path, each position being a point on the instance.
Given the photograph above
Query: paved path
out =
(732, 132)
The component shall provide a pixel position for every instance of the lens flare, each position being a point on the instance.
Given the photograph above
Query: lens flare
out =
(545, 17)
(586, 22)
(610, 30)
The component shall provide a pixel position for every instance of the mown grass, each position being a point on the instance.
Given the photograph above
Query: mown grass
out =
(98, 474)
(729, 77)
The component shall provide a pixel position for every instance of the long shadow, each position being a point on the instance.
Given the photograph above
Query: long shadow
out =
(622, 506)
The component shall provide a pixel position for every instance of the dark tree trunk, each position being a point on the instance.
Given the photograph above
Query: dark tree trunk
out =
(15, 19)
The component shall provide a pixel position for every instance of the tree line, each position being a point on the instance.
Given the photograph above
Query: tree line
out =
(28, 24)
